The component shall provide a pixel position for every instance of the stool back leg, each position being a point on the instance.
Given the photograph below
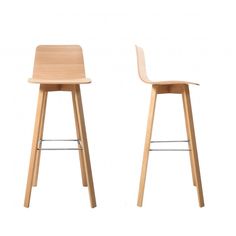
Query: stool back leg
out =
(189, 138)
(147, 146)
(38, 120)
(84, 143)
(82, 167)
(38, 155)
(192, 145)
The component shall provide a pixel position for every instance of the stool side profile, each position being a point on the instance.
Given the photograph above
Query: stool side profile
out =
(165, 87)
(143, 73)
(59, 68)
(142, 65)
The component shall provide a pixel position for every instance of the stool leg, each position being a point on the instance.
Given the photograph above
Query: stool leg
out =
(189, 138)
(147, 146)
(84, 179)
(81, 122)
(34, 147)
(192, 145)
(38, 155)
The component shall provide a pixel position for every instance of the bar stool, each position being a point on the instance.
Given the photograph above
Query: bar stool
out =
(176, 87)
(59, 68)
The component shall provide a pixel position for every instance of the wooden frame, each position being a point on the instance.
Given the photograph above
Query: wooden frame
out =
(59, 68)
(164, 87)
(41, 128)
(86, 171)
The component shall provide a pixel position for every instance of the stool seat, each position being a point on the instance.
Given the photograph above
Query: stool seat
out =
(170, 82)
(59, 81)
(143, 73)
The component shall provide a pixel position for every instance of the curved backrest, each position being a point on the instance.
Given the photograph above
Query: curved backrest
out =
(141, 65)
(58, 63)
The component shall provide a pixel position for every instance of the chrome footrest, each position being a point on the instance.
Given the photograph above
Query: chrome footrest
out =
(171, 141)
(40, 142)
(162, 149)
(170, 149)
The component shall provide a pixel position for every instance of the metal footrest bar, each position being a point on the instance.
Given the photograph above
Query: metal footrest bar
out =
(58, 140)
(171, 141)
(169, 149)
(55, 140)
(58, 149)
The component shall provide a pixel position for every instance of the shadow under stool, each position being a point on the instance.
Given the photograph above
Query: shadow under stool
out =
(59, 68)
(165, 87)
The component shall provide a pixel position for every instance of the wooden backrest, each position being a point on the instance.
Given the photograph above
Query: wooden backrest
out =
(58, 62)
(141, 65)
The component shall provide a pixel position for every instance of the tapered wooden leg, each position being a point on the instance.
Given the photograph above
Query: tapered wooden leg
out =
(87, 165)
(34, 148)
(147, 146)
(38, 155)
(189, 144)
(192, 145)
(84, 179)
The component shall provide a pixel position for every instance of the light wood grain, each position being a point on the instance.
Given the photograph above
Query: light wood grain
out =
(167, 87)
(143, 73)
(41, 128)
(193, 145)
(170, 88)
(189, 138)
(84, 143)
(59, 64)
(59, 68)
(38, 121)
(78, 130)
(147, 146)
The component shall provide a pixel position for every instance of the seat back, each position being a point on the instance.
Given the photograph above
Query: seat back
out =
(141, 65)
(58, 62)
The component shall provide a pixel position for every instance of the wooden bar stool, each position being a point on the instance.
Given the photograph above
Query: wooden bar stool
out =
(176, 87)
(59, 68)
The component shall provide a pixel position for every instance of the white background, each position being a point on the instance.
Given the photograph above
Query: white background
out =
(183, 40)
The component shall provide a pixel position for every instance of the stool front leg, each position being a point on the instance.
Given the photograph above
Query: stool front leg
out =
(85, 149)
(38, 155)
(192, 144)
(81, 156)
(147, 146)
(38, 121)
